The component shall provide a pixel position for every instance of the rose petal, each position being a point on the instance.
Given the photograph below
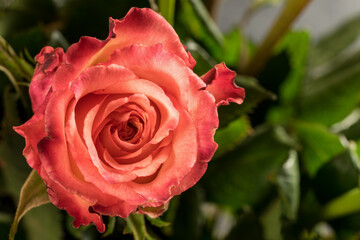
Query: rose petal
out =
(220, 83)
(74, 205)
(48, 60)
(180, 162)
(148, 63)
(145, 27)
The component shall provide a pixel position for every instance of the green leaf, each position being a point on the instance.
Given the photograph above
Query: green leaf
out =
(194, 21)
(248, 226)
(338, 176)
(346, 204)
(271, 220)
(296, 44)
(254, 95)
(204, 62)
(189, 219)
(288, 182)
(333, 96)
(319, 145)
(350, 126)
(329, 46)
(167, 10)
(136, 226)
(15, 168)
(33, 194)
(246, 174)
(110, 227)
(230, 136)
(44, 223)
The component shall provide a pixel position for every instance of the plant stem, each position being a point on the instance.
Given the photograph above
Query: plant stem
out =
(345, 204)
(291, 10)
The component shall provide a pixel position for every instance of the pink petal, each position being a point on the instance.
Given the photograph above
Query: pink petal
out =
(177, 166)
(75, 206)
(48, 61)
(149, 63)
(146, 27)
(220, 83)
(204, 114)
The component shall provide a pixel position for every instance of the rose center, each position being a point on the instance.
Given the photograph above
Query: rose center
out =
(127, 131)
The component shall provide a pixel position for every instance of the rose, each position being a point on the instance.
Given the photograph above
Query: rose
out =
(123, 125)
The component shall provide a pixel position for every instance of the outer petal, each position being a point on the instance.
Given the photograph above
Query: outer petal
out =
(139, 26)
(74, 205)
(48, 61)
(220, 82)
(145, 27)
(33, 131)
(204, 114)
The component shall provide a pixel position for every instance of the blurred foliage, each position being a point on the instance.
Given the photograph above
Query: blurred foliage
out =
(287, 166)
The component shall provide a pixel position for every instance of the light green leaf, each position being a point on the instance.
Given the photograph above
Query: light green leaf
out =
(288, 182)
(346, 204)
(44, 223)
(110, 227)
(319, 145)
(271, 221)
(136, 226)
(157, 222)
(246, 174)
(33, 194)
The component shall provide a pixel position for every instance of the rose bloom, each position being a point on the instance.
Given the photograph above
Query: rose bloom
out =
(123, 125)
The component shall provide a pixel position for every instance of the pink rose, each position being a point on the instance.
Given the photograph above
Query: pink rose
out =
(123, 125)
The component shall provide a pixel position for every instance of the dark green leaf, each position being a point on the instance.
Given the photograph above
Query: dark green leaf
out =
(33, 194)
(338, 176)
(254, 95)
(230, 136)
(333, 96)
(15, 168)
(319, 145)
(350, 127)
(204, 62)
(248, 226)
(288, 182)
(189, 220)
(245, 175)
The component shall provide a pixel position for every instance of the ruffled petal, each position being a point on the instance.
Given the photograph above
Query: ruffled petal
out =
(48, 61)
(220, 83)
(75, 206)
